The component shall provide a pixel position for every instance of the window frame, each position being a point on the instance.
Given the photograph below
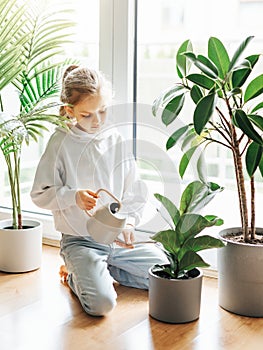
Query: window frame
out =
(116, 61)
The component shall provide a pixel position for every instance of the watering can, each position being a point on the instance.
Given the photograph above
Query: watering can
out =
(105, 224)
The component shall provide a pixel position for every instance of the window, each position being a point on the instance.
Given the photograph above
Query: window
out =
(159, 35)
(162, 26)
(85, 48)
(140, 70)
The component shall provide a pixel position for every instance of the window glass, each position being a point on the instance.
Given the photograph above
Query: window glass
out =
(162, 26)
(84, 48)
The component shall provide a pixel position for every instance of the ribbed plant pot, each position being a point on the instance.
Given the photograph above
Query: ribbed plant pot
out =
(240, 276)
(175, 300)
(20, 250)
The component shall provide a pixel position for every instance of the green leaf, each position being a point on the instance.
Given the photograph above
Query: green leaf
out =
(196, 94)
(197, 195)
(254, 88)
(239, 52)
(257, 107)
(240, 76)
(203, 111)
(217, 221)
(261, 166)
(235, 91)
(176, 136)
(190, 138)
(191, 224)
(191, 260)
(246, 126)
(257, 120)
(218, 54)
(186, 159)
(169, 240)
(165, 97)
(253, 157)
(202, 242)
(201, 168)
(182, 64)
(169, 206)
(204, 64)
(201, 80)
(211, 69)
(172, 109)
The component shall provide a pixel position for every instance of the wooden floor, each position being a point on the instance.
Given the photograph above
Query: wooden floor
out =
(38, 312)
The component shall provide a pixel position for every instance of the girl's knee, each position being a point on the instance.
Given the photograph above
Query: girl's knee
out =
(100, 306)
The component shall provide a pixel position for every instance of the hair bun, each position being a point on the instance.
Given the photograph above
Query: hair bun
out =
(68, 70)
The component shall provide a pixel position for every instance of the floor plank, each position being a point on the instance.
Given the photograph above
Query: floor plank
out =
(39, 312)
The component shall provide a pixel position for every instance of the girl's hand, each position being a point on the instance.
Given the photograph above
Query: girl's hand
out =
(86, 199)
(129, 237)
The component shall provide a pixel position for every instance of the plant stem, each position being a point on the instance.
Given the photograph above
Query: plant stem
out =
(240, 181)
(240, 185)
(17, 180)
(253, 211)
(11, 178)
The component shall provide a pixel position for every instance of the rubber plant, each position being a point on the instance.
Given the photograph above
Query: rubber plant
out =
(182, 241)
(227, 98)
(32, 36)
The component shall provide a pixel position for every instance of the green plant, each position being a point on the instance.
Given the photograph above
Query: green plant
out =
(181, 243)
(227, 104)
(32, 36)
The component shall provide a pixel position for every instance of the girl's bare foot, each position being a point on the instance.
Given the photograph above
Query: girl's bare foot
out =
(63, 274)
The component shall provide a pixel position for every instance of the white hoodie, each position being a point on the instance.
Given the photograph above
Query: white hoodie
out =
(75, 160)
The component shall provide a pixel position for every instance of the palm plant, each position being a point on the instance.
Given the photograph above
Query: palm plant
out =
(12, 39)
(32, 37)
(224, 113)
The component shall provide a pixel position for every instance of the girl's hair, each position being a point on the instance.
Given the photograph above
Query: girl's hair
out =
(81, 82)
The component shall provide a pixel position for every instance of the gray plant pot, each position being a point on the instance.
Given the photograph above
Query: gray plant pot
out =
(240, 277)
(175, 300)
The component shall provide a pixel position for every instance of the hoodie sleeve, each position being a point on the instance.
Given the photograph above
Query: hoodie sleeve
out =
(48, 190)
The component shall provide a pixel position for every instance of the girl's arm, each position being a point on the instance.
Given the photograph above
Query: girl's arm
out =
(48, 190)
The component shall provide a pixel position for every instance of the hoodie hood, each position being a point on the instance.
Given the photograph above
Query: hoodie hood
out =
(81, 136)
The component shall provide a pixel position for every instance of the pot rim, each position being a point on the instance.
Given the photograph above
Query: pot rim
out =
(30, 222)
(235, 232)
(200, 275)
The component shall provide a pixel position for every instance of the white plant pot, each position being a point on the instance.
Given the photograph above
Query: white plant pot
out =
(20, 250)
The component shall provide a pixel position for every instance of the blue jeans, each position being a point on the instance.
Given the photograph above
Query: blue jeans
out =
(93, 267)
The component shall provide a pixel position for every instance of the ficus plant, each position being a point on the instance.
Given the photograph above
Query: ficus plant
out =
(182, 241)
(227, 99)
(32, 37)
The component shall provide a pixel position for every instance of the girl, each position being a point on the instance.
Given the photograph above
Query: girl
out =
(90, 155)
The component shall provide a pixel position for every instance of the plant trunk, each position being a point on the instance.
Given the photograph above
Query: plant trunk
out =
(253, 212)
(240, 184)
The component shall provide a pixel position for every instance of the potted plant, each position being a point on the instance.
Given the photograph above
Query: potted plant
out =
(227, 99)
(31, 37)
(175, 288)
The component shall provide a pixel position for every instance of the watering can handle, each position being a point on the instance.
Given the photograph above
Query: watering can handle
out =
(110, 194)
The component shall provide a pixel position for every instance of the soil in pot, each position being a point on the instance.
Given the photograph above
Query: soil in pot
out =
(238, 238)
